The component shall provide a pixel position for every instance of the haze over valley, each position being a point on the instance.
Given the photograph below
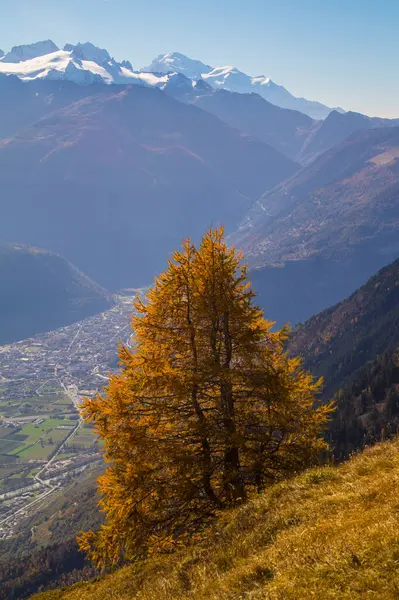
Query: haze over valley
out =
(106, 167)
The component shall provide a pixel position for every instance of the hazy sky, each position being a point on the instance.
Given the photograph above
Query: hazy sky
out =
(340, 52)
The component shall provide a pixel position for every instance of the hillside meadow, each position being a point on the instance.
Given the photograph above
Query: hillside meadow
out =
(331, 533)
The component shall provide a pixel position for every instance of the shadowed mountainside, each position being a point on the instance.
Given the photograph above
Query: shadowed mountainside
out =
(292, 133)
(41, 291)
(338, 341)
(321, 234)
(90, 178)
(354, 347)
(284, 129)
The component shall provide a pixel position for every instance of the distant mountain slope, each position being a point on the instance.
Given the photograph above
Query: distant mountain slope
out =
(318, 236)
(286, 130)
(340, 340)
(231, 79)
(354, 347)
(96, 173)
(41, 291)
(291, 132)
(24, 103)
(329, 203)
(367, 406)
(336, 128)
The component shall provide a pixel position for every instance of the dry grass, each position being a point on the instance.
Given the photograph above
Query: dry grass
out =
(328, 533)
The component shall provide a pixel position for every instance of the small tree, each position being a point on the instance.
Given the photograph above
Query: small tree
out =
(207, 406)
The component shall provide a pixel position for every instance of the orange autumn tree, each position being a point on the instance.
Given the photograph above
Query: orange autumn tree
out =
(207, 407)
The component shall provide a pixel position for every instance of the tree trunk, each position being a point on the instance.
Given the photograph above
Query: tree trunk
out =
(206, 448)
(233, 483)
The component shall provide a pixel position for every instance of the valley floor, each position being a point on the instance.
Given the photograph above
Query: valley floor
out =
(43, 442)
(330, 533)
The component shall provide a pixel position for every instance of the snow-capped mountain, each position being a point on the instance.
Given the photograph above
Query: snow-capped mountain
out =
(231, 79)
(85, 64)
(21, 53)
(81, 63)
(88, 51)
(175, 73)
(178, 63)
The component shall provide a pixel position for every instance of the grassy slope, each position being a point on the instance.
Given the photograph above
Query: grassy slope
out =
(332, 532)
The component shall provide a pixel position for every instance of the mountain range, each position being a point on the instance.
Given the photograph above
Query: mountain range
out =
(84, 63)
(311, 202)
(96, 171)
(231, 79)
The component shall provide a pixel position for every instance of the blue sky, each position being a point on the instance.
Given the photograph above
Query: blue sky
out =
(340, 52)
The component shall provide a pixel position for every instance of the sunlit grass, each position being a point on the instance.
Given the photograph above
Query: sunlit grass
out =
(328, 533)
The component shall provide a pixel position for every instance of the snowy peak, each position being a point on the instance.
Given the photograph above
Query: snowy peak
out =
(175, 73)
(232, 79)
(82, 63)
(181, 87)
(178, 81)
(88, 51)
(75, 71)
(1, 53)
(262, 80)
(178, 63)
(228, 78)
(126, 64)
(85, 64)
(29, 51)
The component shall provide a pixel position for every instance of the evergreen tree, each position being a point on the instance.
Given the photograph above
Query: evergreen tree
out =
(207, 406)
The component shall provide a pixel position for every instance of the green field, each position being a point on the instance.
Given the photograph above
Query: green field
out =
(84, 438)
(4, 431)
(16, 437)
(46, 403)
(36, 441)
(9, 470)
(66, 454)
(8, 446)
(36, 452)
(57, 435)
(7, 460)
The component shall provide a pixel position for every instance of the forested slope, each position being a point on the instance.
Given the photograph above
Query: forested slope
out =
(340, 340)
(354, 347)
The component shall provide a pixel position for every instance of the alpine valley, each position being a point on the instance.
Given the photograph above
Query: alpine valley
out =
(105, 167)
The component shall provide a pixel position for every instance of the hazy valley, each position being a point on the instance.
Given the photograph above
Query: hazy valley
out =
(104, 169)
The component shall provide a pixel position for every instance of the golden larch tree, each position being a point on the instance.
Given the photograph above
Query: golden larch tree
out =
(206, 409)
